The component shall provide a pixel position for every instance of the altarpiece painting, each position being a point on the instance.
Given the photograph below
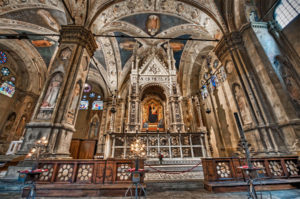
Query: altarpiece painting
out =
(153, 117)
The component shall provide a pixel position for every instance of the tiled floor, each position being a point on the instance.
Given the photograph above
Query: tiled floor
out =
(284, 194)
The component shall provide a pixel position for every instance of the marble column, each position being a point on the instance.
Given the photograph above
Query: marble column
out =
(55, 114)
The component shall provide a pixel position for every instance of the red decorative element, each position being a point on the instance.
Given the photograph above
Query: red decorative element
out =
(33, 171)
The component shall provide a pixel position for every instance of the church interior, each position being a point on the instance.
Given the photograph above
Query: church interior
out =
(187, 91)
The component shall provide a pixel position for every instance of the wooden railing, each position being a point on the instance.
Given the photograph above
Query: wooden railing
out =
(111, 171)
(227, 169)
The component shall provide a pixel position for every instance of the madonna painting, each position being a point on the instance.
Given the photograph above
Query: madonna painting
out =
(153, 116)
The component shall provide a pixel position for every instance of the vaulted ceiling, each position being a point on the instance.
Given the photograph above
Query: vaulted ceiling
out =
(177, 19)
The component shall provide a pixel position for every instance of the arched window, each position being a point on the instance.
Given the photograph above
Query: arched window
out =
(90, 99)
(286, 11)
(7, 77)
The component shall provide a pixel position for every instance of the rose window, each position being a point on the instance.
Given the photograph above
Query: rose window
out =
(65, 172)
(84, 172)
(275, 168)
(122, 172)
(5, 71)
(46, 175)
(223, 169)
(292, 168)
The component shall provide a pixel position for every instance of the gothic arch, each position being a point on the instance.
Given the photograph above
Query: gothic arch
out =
(147, 86)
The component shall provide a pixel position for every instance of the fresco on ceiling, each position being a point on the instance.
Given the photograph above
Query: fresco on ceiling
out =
(46, 18)
(178, 47)
(45, 46)
(126, 46)
(100, 56)
(154, 23)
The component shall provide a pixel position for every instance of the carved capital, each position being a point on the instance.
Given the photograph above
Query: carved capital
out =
(231, 41)
(79, 35)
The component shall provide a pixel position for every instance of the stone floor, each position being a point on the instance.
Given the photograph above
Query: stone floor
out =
(283, 194)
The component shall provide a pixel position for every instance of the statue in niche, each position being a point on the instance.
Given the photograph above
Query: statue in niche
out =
(153, 24)
(242, 105)
(65, 54)
(21, 126)
(94, 128)
(52, 92)
(8, 125)
(292, 86)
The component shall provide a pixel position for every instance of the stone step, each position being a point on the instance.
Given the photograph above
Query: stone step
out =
(153, 187)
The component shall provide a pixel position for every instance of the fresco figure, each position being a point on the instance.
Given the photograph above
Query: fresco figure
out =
(153, 24)
(75, 98)
(52, 92)
(94, 127)
(8, 125)
(21, 125)
(153, 113)
(242, 105)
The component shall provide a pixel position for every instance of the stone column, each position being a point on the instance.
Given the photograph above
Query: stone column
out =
(233, 46)
(55, 114)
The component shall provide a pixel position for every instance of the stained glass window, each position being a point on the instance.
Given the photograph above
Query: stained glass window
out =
(286, 11)
(7, 88)
(204, 92)
(92, 95)
(84, 105)
(216, 63)
(97, 105)
(213, 82)
(89, 99)
(7, 80)
(87, 88)
(5, 71)
(3, 57)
